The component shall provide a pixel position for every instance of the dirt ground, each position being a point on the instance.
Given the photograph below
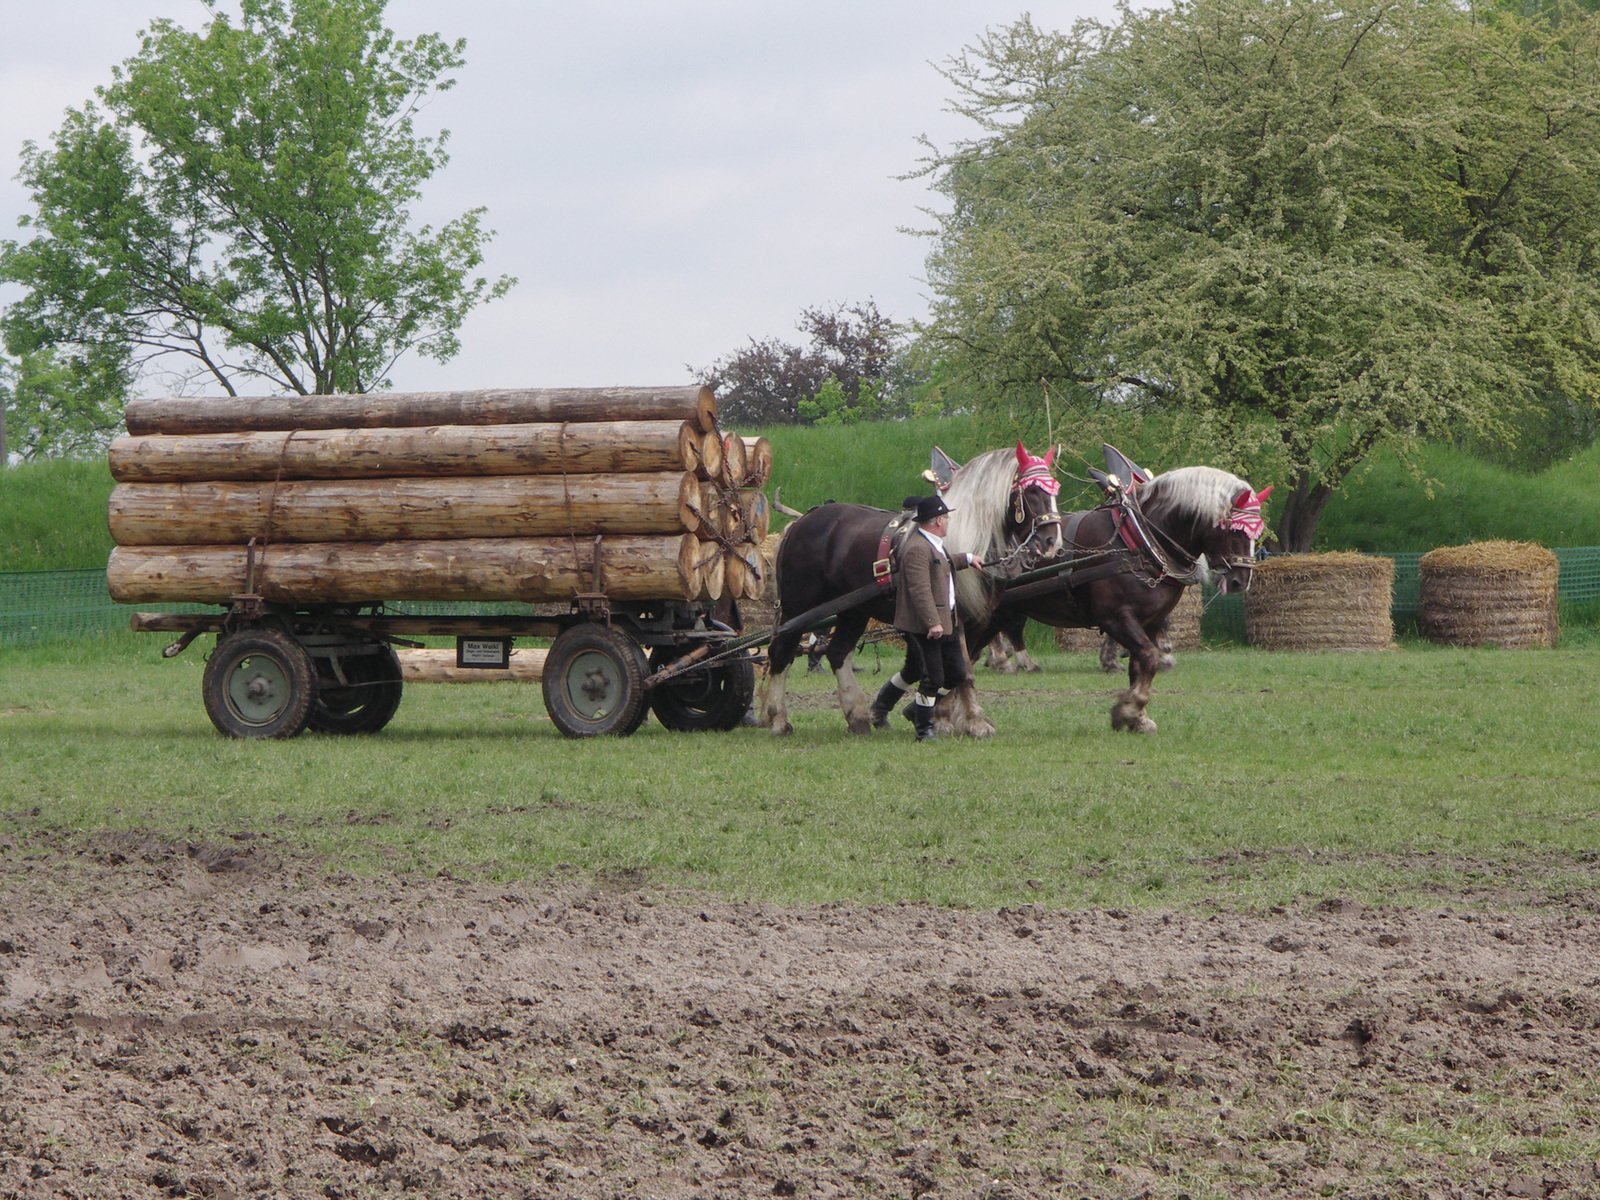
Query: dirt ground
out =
(224, 1021)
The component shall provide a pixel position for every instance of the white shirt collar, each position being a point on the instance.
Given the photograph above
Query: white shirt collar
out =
(938, 542)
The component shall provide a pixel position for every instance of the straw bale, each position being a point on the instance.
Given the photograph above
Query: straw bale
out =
(1337, 601)
(1074, 641)
(1489, 594)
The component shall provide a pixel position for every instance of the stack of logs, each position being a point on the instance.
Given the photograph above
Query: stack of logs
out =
(534, 495)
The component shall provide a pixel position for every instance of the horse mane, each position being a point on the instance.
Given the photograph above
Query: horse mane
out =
(1203, 493)
(978, 497)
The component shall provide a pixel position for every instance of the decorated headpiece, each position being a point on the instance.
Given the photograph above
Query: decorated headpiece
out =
(1035, 472)
(1245, 515)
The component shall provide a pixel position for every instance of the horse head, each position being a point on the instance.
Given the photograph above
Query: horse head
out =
(1231, 550)
(1206, 512)
(1032, 515)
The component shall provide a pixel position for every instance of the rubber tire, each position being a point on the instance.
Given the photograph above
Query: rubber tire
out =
(701, 701)
(368, 704)
(593, 682)
(283, 678)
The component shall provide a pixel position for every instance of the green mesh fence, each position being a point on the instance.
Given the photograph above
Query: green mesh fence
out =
(39, 606)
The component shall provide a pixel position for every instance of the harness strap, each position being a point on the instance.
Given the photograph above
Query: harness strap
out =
(883, 566)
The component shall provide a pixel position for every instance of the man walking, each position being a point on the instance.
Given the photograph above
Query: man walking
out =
(925, 614)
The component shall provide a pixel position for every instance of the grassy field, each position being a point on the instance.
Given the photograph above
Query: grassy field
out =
(1398, 777)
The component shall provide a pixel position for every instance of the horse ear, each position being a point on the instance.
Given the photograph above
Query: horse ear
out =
(1022, 455)
(1049, 456)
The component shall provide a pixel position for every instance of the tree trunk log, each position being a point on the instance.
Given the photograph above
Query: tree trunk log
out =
(446, 450)
(709, 571)
(710, 466)
(735, 460)
(427, 665)
(758, 460)
(238, 414)
(471, 569)
(756, 512)
(379, 510)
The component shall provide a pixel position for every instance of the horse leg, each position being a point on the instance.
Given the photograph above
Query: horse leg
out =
(853, 701)
(1143, 661)
(774, 698)
(998, 658)
(1020, 654)
(959, 710)
(1162, 635)
(1108, 653)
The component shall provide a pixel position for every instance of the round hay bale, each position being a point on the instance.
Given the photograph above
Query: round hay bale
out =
(1075, 641)
(1489, 594)
(1337, 601)
(1183, 628)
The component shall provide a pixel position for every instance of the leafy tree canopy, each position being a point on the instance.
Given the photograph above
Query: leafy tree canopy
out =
(237, 203)
(50, 408)
(1297, 229)
(852, 369)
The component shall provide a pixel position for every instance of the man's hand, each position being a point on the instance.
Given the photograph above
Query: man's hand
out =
(935, 632)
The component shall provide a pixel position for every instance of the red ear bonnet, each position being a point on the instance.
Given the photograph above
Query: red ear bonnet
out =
(1245, 516)
(1035, 472)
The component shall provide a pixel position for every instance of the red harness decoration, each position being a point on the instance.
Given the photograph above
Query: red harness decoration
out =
(1132, 533)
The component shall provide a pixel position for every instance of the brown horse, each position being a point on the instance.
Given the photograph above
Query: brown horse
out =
(1148, 542)
(1006, 502)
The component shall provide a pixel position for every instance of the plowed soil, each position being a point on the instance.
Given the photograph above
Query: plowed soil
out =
(226, 1021)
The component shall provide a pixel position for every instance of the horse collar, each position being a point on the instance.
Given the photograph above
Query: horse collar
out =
(1131, 528)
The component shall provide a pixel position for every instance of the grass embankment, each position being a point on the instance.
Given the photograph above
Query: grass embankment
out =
(53, 514)
(1425, 777)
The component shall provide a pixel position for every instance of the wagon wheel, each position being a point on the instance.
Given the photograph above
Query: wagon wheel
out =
(365, 702)
(258, 684)
(594, 681)
(714, 698)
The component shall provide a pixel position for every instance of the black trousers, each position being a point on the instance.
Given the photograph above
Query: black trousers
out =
(934, 663)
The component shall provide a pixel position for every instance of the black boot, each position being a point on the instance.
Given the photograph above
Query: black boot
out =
(884, 704)
(922, 717)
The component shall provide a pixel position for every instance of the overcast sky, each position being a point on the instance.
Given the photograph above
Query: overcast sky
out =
(667, 179)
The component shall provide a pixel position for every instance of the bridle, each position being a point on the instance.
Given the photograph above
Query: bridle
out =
(1030, 479)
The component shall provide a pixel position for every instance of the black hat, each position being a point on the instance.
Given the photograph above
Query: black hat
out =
(930, 507)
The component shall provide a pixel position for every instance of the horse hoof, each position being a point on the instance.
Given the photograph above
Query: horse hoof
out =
(783, 730)
(1132, 722)
(860, 725)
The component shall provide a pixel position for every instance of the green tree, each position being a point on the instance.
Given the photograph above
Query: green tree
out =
(241, 201)
(55, 409)
(1296, 230)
